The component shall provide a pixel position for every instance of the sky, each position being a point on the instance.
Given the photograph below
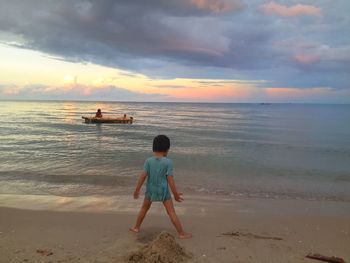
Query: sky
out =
(183, 50)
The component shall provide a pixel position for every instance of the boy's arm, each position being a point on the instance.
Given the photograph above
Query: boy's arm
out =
(139, 184)
(171, 182)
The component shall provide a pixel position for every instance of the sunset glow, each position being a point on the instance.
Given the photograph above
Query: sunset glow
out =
(194, 50)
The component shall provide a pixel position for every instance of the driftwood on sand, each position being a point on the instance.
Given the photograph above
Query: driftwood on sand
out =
(326, 258)
(249, 235)
(44, 252)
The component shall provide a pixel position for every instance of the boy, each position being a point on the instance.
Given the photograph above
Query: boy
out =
(159, 173)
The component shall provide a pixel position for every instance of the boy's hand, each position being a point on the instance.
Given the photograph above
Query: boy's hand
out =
(178, 197)
(136, 194)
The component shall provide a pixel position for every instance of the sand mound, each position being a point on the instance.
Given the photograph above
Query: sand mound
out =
(163, 249)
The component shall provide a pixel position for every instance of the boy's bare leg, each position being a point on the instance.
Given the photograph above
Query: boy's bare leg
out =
(168, 204)
(145, 206)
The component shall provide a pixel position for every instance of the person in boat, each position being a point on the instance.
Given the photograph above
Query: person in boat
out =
(98, 114)
(124, 117)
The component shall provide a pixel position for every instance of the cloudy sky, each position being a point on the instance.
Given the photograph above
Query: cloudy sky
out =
(183, 50)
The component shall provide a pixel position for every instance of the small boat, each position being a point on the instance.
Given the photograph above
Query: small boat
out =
(108, 120)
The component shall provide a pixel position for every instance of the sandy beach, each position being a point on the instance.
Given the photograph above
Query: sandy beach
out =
(226, 230)
(238, 108)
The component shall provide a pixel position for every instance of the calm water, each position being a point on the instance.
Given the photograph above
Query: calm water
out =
(273, 151)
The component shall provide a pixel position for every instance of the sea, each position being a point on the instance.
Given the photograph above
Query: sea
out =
(272, 151)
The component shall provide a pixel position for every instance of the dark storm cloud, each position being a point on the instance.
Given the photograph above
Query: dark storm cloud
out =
(192, 38)
(114, 33)
(125, 33)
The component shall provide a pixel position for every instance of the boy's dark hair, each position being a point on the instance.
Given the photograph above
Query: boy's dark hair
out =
(161, 143)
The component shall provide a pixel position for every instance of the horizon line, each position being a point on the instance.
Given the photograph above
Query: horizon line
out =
(189, 102)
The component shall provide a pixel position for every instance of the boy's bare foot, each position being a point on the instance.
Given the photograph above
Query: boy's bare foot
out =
(185, 235)
(134, 229)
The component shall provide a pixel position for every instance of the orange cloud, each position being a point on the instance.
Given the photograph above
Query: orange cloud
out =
(295, 10)
(226, 92)
(305, 59)
(217, 6)
(11, 91)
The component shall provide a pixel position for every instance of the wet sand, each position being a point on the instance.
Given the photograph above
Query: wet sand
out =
(229, 230)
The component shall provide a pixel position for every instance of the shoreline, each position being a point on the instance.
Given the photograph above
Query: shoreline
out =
(194, 204)
(102, 236)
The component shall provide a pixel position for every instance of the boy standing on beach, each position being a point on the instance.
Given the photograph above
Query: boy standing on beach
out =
(159, 173)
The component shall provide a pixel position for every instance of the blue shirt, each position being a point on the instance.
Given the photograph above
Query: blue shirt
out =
(157, 169)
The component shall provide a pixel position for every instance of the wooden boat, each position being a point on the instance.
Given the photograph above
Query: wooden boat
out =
(108, 120)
